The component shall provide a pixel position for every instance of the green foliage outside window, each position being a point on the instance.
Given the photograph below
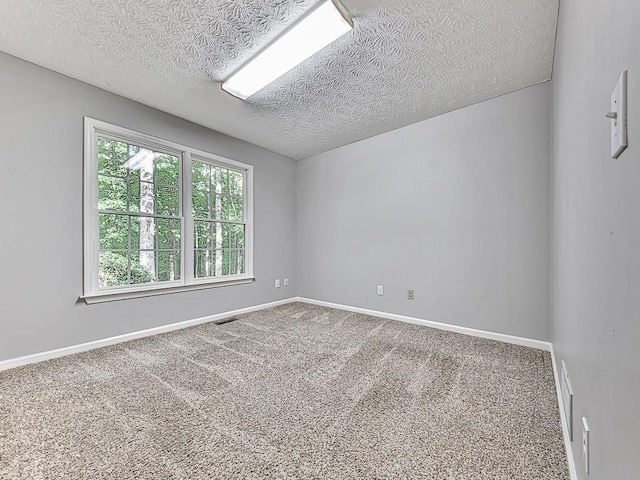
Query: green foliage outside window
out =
(137, 248)
(114, 270)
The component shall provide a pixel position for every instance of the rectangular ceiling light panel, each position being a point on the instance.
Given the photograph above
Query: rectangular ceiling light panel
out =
(315, 31)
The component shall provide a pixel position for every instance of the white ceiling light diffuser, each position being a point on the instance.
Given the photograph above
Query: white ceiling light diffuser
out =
(326, 23)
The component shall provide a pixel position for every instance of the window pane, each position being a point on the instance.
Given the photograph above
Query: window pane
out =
(205, 263)
(235, 208)
(112, 156)
(236, 182)
(167, 169)
(218, 192)
(231, 198)
(114, 231)
(204, 184)
(199, 264)
(200, 201)
(168, 266)
(147, 201)
(142, 266)
(168, 233)
(114, 269)
(227, 262)
(112, 193)
(143, 233)
(232, 261)
(200, 173)
(204, 234)
(223, 212)
(167, 201)
(219, 249)
(133, 151)
(215, 203)
(209, 238)
(134, 195)
(240, 258)
(232, 236)
(200, 192)
(235, 200)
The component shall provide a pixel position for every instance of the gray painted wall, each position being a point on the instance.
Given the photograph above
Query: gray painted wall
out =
(596, 322)
(41, 136)
(456, 207)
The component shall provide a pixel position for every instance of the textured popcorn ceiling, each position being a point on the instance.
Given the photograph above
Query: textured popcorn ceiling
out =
(405, 61)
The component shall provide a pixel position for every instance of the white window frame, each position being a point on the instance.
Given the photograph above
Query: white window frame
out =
(92, 293)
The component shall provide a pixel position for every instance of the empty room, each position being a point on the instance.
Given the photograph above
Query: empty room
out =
(320, 239)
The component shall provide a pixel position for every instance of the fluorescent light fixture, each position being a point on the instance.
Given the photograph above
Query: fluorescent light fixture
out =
(327, 22)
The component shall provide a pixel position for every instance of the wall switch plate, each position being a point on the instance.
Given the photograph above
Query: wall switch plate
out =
(567, 399)
(585, 444)
(410, 295)
(380, 290)
(286, 282)
(618, 116)
(277, 283)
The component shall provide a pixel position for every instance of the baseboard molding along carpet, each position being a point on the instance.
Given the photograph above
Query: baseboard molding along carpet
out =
(83, 347)
(127, 337)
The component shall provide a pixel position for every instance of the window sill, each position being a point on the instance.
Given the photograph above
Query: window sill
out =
(115, 296)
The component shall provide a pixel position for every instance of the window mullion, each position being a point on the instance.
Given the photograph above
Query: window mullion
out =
(187, 247)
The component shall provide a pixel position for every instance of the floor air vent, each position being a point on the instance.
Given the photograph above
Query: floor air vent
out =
(226, 320)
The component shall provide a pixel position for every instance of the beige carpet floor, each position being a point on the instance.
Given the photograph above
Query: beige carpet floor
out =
(293, 392)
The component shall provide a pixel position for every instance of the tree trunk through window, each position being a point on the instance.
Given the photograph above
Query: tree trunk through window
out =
(218, 181)
(207, 253)
(147, 205)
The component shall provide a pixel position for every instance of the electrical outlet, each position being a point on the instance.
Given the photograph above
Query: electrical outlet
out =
(410, 295)
(380, 290)
(585, 444)
(277, 283)
(286, 282)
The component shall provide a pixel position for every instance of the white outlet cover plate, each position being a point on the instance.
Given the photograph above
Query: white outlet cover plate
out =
(619, 124)
(380, 290)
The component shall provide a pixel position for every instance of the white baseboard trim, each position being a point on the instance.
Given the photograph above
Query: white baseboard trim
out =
(563, 419)
(501, 337)
(83, 347)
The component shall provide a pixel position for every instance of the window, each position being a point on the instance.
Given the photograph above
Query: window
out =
(159, 215)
